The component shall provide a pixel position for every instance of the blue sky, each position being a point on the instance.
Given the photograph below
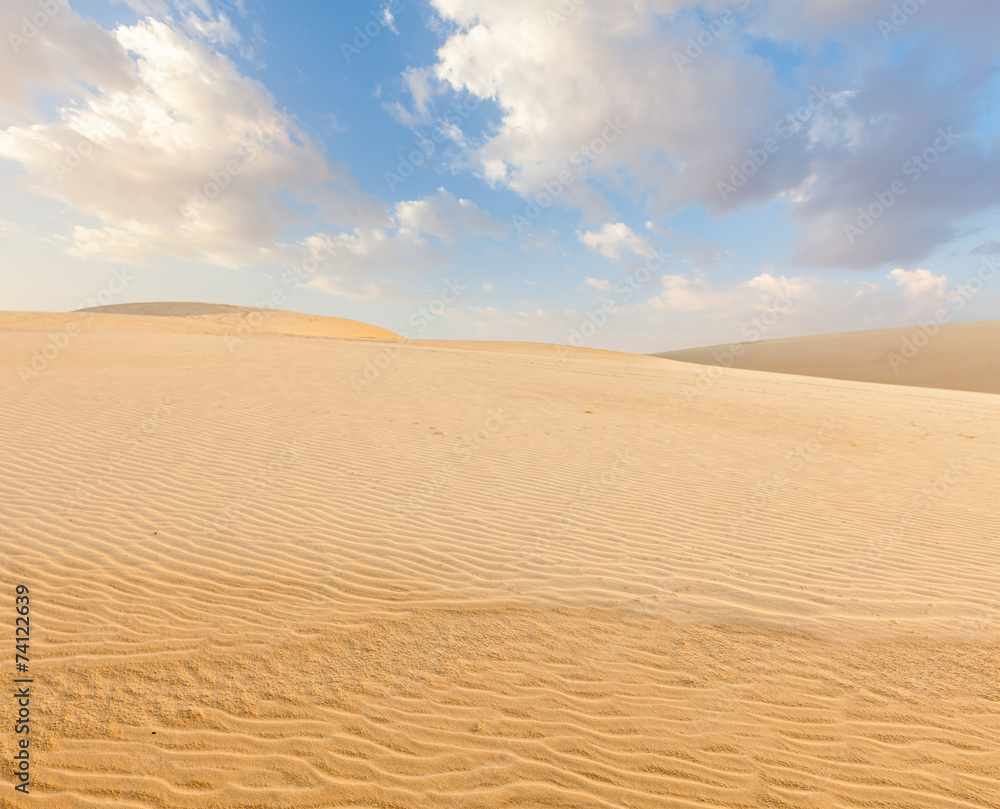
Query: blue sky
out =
(831, 165)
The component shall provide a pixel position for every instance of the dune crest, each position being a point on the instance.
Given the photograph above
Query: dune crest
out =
(206, 317)
(955, 356)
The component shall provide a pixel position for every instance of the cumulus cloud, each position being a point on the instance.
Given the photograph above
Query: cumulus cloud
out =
(680, 311)
(359, 264)
(600, 284)
(194, 160)
(363, 263)
(919, 282)
(376, 262)
(215, 29)
(765, 291)
(616, 239)
(205, 19)
(605, 63)
(692, 115)
(48, 46)
(696, 294)
(446, 216)
(771, 305)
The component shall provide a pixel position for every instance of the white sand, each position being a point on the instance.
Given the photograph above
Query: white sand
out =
(491, 577)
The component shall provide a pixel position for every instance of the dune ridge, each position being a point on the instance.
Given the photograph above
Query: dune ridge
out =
(225, 319)
(494, 577)
(957, 356)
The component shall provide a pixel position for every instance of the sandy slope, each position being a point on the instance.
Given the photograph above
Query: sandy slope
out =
(513, 577)
(218, 318)
(958, 356)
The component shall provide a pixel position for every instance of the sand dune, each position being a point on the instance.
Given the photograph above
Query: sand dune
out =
(957, 356)
(223, 319)
(173, 309)
(384, 573)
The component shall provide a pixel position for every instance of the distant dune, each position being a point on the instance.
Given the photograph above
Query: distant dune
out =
(492, 575)
(221, 318)
(959, 356)
(173, 309)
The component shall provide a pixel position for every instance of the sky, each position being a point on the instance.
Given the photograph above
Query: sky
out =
(638, 175)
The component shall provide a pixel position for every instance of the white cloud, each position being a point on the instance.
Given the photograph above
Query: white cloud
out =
(388, 20)
(364, 263)
(61, 54)
(599, 284)
(217, 30)
(445, 216)
(689, 127)
(701, 312)
(607, 61)
(762, 292)
(192, 161)
(919, 282)
(201, 18)
(615, 239)
(374, 262)
(682, 294)
(690, 311)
